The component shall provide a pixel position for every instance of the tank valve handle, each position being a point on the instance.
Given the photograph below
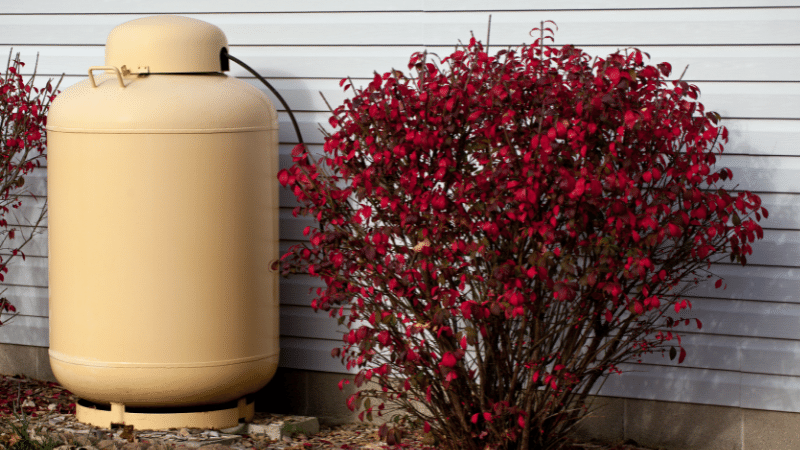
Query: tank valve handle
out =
(116, 71)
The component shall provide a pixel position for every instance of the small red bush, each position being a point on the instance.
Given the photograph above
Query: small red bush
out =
(499, 232)
(23, 116)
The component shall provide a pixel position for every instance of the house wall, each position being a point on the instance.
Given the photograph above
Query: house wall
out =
(743, 54)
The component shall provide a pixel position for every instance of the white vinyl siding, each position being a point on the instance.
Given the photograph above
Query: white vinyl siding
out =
(743, 54)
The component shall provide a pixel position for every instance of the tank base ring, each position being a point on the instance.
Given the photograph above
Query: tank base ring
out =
(196, 417)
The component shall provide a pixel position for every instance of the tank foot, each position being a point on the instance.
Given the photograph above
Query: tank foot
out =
(211, 417)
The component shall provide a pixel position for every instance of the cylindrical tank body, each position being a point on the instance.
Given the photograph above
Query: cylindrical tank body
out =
(163, 224)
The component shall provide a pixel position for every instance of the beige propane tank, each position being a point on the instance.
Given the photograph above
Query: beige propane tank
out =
(163, 224)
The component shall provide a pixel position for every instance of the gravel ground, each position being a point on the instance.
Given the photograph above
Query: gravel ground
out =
(50, 409)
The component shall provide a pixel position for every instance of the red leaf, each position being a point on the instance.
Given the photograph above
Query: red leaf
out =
(613, 73)
(448, 360)
(682, 357)
(283, 177)
(337, 259)
(718, 283)
(656, 173)
(561, 128)
(630, 119)
(580, 187)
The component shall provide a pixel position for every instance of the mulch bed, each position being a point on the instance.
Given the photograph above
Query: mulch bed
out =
(33, 397)
(40, 399)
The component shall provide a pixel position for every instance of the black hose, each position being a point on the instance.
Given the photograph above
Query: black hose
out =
(283, 102)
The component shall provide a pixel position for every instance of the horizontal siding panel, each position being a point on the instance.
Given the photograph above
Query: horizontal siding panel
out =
(775, 357)
(25, 330)
(31, 271)
(295, 290)
(757, 63)
(752, 100)
(768, 284)
(310, 354)
(286, 198)
(30, 301)
(308, 123)
(743, 318)
(637, 28)
(37, 246)
(703, 351)
(373, 29)
(784, 211)
(778, 174)
(672, 384)
(749, 355)
(291, 227)
(204, 6)
(778, 248)
(298, 321)
(27, 214)
(763, 137)
(36, 181)
(545, 5)
(770, 392)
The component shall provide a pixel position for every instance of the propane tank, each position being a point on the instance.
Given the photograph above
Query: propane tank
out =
(163, 224)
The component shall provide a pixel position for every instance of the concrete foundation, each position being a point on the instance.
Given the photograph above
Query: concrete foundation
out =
(33, 362)
(655, 424)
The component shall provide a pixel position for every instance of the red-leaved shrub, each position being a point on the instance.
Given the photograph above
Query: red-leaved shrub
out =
(500, 232)
(23, 116)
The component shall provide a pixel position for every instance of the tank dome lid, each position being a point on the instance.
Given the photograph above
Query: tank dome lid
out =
(167, 44)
